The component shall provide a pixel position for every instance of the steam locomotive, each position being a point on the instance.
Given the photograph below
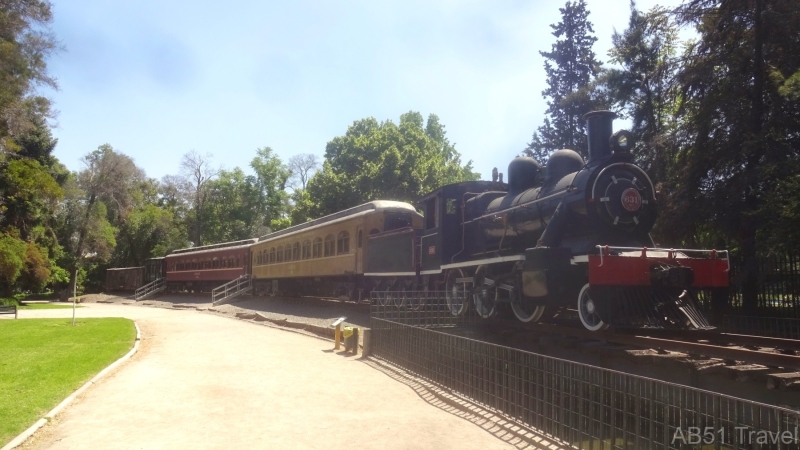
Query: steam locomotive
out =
(577, 237)
(574, 234)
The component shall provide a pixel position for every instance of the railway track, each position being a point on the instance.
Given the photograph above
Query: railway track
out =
(770, 352)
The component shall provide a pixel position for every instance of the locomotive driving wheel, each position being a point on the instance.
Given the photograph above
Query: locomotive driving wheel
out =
(524, 310)
(456, 292)
(587, 311)
(485, 294)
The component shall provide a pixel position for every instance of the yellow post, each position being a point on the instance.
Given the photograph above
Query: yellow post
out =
(337, 336)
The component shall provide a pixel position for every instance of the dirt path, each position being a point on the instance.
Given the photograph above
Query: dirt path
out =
(205, 381)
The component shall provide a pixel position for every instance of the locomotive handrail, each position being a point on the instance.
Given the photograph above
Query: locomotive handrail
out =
(670, 251)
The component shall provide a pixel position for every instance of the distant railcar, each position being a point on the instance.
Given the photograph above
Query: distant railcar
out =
(201, 269)
(124, 279)
(326, 256)
(154, 268)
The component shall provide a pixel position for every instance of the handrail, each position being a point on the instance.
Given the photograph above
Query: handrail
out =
(150, 288)
(231, 289)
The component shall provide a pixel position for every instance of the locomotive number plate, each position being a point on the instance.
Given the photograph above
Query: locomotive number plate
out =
(432, 250)
(631, 199)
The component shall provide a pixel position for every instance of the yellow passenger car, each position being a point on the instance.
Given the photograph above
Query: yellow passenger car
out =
(325, 257)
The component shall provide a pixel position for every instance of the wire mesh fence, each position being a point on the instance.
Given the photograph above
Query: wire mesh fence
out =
(584, 406)
(428, 309)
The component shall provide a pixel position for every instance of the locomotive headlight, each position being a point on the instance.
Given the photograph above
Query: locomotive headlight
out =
(621, 141)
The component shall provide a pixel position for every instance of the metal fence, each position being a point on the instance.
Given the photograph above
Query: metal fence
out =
(427, 309)
(584, 406)
(778, 286)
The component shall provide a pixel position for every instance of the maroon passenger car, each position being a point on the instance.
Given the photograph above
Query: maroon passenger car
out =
(203, 268)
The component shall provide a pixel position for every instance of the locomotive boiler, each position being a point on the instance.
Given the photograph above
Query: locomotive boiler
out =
(573, 230)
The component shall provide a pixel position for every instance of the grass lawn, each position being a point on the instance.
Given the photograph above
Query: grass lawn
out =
(47, 306)
(42, 361)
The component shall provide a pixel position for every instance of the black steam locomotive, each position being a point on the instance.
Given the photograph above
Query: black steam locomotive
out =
(574, 234)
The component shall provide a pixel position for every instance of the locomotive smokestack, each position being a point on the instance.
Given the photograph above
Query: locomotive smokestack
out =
(598, 130)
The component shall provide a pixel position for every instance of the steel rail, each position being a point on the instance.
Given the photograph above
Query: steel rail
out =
(708, 350)
(728, 338)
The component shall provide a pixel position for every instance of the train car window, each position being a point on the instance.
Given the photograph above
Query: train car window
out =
(215, 263)
(396, 221)
(431, 221)
(450, 206)
(272, 255)
(306, 249)
(296, 251)
(237, 261)
(195, 265)
(360, 237)
(280, 253)
(330, 245)
(287, 253)
(317, 247)
(343, 243)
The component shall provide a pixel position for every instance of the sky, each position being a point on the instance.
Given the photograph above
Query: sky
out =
(159, 78)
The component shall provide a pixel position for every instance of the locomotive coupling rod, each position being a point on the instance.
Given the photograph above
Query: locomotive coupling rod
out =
(464, 280)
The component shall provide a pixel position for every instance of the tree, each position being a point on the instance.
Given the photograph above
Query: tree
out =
(25, 44)
(301, 166)
(644, 87)
(12, 260)
(271, 176)
(375, 161)
(197, 171)
(570, 67)
(236, 207)
(105, 188)
(739, 127)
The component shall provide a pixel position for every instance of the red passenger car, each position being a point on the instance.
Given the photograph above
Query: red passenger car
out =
(203, 268)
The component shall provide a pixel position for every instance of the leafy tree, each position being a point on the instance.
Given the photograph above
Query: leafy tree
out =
(235, 206)
(739, 126)
(149, 231)
(271, 176)
(104, 189)
(12, 260)
(644, 86)
(25, 43)
(386, 161)
(570, 66)
(302, 207)
(30, 194)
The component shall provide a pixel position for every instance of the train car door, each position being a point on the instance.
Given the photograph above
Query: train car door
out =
(359, 249)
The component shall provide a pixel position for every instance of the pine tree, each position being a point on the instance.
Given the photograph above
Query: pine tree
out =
(570, 68)
(739, 125)
(644, 87)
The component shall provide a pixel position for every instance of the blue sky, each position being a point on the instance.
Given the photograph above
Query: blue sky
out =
(156, 79)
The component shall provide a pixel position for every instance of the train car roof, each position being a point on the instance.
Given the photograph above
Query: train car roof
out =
(478, 187)
(360, 210)
(125, 268)
(222, 245)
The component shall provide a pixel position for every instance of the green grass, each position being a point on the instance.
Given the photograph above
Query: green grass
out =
(42, 361)
(48, 306)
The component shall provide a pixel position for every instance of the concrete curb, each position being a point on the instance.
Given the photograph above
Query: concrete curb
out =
(19, 440)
